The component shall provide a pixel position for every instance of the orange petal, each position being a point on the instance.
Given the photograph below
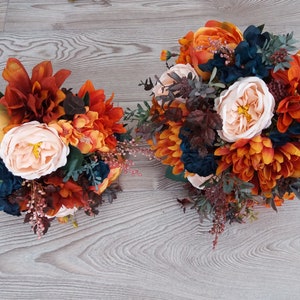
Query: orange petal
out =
(86, 87)
(284, 120)
(267, 155)
(42, 70)
(222, 167)
(16, 75)
(61, 76)
(222, 151)
(238, 144)
(290, 148)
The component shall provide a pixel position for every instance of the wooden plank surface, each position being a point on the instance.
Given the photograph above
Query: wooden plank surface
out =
(142, 246)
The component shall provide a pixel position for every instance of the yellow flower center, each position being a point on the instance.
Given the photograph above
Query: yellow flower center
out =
(36, 149)
(243, 110)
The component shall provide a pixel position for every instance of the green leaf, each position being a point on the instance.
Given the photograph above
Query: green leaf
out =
(272, 203)
(213, 75)
(169, 174)
(86, 99)
(74, 162)
(219, 85)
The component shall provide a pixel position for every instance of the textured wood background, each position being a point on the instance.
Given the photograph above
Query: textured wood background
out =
(142, 246)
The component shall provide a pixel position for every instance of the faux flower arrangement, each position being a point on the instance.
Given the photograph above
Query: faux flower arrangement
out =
(60, 151)
(226, 119)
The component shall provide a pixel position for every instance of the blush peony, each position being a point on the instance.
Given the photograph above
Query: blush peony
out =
(32, 150)
(165, 80)
(246, 108)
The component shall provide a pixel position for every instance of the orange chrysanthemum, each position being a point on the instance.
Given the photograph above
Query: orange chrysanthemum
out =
(167, 147)
(36, 98)
(257, 161)
(198, 47)
(167, 143)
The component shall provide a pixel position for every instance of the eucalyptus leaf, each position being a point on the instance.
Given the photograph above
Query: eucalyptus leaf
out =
(180, 177)
(74, 162)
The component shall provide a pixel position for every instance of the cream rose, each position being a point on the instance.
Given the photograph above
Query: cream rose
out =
(197, 180)
(63, 212)
(246, 108)
(182, 70)
(32, 150)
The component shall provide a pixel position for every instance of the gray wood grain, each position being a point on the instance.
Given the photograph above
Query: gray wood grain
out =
(142, 246)
(3, 7)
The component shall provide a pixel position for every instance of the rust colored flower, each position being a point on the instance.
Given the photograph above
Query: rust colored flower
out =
(198, 47)
(288, 110)
(255, 160)
(67, 194)
(291, 76)
(159, 111)
(37, 98)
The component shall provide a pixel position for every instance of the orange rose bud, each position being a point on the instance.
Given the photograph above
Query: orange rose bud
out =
(165, 55)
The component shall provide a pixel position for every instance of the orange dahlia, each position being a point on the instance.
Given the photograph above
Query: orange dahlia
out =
(36, 98)
(102, 117)
(95, 129)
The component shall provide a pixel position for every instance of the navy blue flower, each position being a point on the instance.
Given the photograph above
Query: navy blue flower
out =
(246, 61)
(254, 36)
(8, 184)
(279, 139)
(99, 172)
(193, 162)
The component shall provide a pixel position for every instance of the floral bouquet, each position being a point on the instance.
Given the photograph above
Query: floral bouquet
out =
(226, 119)
(59, 151)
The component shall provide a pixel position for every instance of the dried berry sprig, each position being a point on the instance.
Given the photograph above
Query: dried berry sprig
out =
(35, 214)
